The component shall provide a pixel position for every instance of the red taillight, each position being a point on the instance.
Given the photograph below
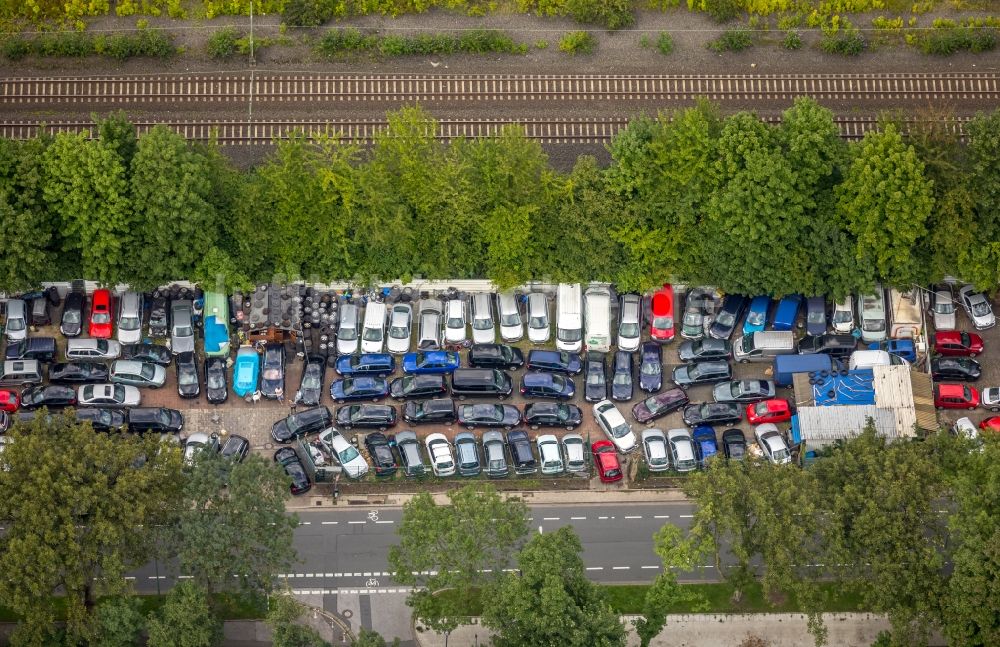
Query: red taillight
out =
(523, 390)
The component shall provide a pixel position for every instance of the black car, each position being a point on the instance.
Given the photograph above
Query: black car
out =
(215, 380)
(71, 323)
(288, 459)
(621, 379)
(488, 415)
(702, 373)
(734, 444)
(838, 346)
(418, 386)
(35, 397)
(42, 349)
(272, 372)
(704, 349)
(659, 405)
(596, 375)
(311, 385)
(552, 414)
(188, 381)
(439, 411)
(712, 413)
(99, 419)
(78, 373)
(519, 445)
(154, 419)
(962, 369)
(557, 361)
(380, 451)
(651, 368)
(159, 320)
(235, 448)
(301, 423)
(369, 416)
(733, 307)
(154, 353)
(499, 356)
(537, 384)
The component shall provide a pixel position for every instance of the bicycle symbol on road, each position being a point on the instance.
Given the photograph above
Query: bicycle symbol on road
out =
(373, 515)
(371, 583)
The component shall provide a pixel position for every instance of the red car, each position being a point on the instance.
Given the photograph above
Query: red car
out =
(773, 411)
(10, 401)
(100, 315)
(955, 396)
(606, 460)
(991, 424)
(661, 310)
(957, 342)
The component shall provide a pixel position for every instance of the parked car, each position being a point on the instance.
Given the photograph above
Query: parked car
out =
(499, 356)
(368, 416)
(774, 410)
(455, 325)
(574, 453)
(149, 353)
(654, 448)
(107, 395)
(957, 343)
(197, 443)
(102, 419)
(744, 391)
(552, 414)
(693, 323)
(22, 372)
(373, 328)
(71, 323)
(621, 378)
(835, 345)
(511, 325)
(495, 455)
(787, 312)
(651, 368)
(704, 349)
(554, 360)
(92, 349)
(977, 307)
(42, 349)
(181, 326)
(661, 314)
(943, 308)
(436, 411)
(101, 318)
(815, 316)
(159, 317)
(235, 448)
(609, 470)
(955, 396)
(539, 326)
(772, 444)
(595, 378)
(383, 458)
(519, 446)
(16, 327)
(871, 313)
(410, 387)
(955, 368)
(705, 444)
(215, 380)
(711, 413)
(130, 311)
(467, 454)
(272, 372)
(50, 395)
(347, 455)
(734, 444)
(400, 324)
(289, 461)
(158, 420)
(991, 424)
(756, 319)
(350, 389)
(842, 317)
(537, 384)
(488, 415)
(990, 398)
(430, 315)
(10, 400)
(615, 427)
(549, 455)
(188, 380)
(659, 405)
(348, 329)
(301, 423)
(141, 374)
(483, 329)
(372, 364)
(733, 307)
(410, 456)
(630, 322)
(682, 455)
(310, 391)
(702, 373)
(430, 362)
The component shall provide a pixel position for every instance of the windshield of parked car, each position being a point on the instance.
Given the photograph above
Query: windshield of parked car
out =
(146, 372)
(129, 323)
(482, 324)
(399, 332)
(816, 316)
(373, 334)
(182, 331)
(512, 319)
(980, 309)
(216, 380)
(71, 316)
(781, 455)
(456, 322)
(347, 455)
(693, 318)
(650, 368)
(539, 322)
(629, 330)
(621, 430)
(347, 333)
(756, 317)
(272, 374)
(943, 305)
(570, 334)
(310, 381)
(119, 393)
(842, 317)
(100, 318)
(622, 379)
(873, 325)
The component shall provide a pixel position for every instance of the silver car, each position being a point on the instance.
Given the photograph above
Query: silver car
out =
(181, 326)
(538, 318)
(629, 326)
(654, 448)
(85, 348)
(483, 329)
(574, 453)
(495, 454)
(108, 395)
(978, 307)
(400, 322)
(511, 326)
(130, 318)
(455, 322)
(347, 329)
(682, 450)
(943, 308)
(17, 320)
(127, 371)
(549, 455)
(429, 312)
(772, 443)
(871, 312)
(197, 443)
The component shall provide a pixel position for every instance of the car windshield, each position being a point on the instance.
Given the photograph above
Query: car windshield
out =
(399, 332)
(347, 333)
(216, 380)
(873, 325)
(129, 323)
(146, 372)
(980, 309)
(622, 379)
(629, 330)
(482, 324)
(182, 331)
(373, 334)
(966, 339)
(756, 317)
(725, 318)
(310, 381)
(662, 323)
(409, 382)
(620, 431)
(842, 317)
(651, 368)
(944, 306)
(456, 322)
(71, 316)
(816, 316)
(100, 318)
(781, 454)
(272, 374)
(348, 454)
(595, 377)
(538, 322)
(510, 320)
(570, 334)
(693, 318)
(761, 409)
(244, 373)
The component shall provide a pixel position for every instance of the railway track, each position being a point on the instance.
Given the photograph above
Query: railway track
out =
(245, 133)
(272, 87)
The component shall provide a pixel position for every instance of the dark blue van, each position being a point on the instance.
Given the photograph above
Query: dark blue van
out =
(375, 364)
(787, 312)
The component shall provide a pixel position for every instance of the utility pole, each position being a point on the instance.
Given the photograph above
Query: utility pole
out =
(253, 63)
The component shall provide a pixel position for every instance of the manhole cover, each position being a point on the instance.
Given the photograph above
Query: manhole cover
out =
(347, 613)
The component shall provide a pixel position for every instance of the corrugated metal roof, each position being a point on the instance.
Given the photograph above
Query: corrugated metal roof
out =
(834, 423)
(892, 387)
(923, 400)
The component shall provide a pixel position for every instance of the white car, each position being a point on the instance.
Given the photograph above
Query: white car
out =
(614, 425)
(511, 326)
(350, 459)
(17, 320)
(654, 447)
(347, 329)
(196, 443)
(943, 309)
(574, 453)
(629, 324)
(978, 307)
(538, 318)
(871, 312)
(682, 450)
(108, 395)
(772, 443)
(843, 315)
(549, 454)
(400, 322)
(965, 427)
(373, 328)
(84, 348)
(454, 322)
(483, 329)
(130, 318)
(989, 398)
(442, 460)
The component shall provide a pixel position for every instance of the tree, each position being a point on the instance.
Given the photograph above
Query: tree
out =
(368, 638)
(283, 611)
(675, 552)
(186, 619)
(550, 601)
(117, 132)
(75, 524)
(24, 219)
(118, 621)
(238, 510)
(980, 262)
(467, 543)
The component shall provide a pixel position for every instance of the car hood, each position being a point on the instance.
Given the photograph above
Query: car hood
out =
(182, 345)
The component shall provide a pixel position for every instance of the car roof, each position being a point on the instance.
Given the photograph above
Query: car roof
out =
(653, 433)
(539, 378)
(951, 389)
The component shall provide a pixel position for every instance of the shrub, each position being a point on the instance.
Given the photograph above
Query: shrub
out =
(732, 40)
(721, 10)
(846, 41)
(645, 43)
(311, 13)
(613, 14)
(15, 48)
(947, 39)
(578, 42)
(665, 43)
(541, 44)
(222, 43)
(792, 40)
(345, 40)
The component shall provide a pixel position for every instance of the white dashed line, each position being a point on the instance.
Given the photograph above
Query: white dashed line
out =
(602, 517)
(387, 521)
(330, 523)
(595, 568)
(620, 568)
(550, 518)
(645, 567)
(661, 516)
(305, 523)
(633, 516)
(357, 522)
(577, 518)
(687, 516)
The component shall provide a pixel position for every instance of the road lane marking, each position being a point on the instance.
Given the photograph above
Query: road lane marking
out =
(661, 516)
(595, 568)
(650, 567)
(389, 521)
(620, 568)
(357, 522)
(687, 516)
(329, 523)
(305, 523)
(577, 518)
(633, 516)
(602, 517)
(550, 518)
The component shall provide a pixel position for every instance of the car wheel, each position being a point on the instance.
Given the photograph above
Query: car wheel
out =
(341, 401)
(994, 409)
(536, 427)
(568, 427)
(973, 354)
(470, 427)
(972, 408)
(744, 361)
(462, 397)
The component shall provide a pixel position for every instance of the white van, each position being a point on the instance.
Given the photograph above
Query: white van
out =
(871, 315)
(569, 317)
(862, 359)
(373, 331)
(763, 346)
(597, 301)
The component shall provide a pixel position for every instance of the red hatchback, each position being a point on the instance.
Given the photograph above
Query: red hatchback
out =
(10, 401)
(957, 342)
(991, 424)
(955, 396)
(100, 315)
(772, 411)
(606, 460)
(661, 310)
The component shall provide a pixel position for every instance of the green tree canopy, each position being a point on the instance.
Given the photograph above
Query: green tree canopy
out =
(29, 229)
(185, 620)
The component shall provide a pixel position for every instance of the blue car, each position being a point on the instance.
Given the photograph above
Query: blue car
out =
(704, 443)
(536, 384)
(363, 387)
(246, 371)
(787, 312)
(377, 364)
(899, 347)
(757, 315)
(431, 362)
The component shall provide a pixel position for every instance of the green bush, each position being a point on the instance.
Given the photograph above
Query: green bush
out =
(476, 41)
(578, 42)
(613, 14)
(944, 41)
(732, 40)
(792, 40)
(846, 41)
(311, 13)
(345, 40)
(64, 44)
(222, 43)
(722, 10)
(14, 48)
(665, 43)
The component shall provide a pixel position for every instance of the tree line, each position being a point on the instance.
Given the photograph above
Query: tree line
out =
(688, 196)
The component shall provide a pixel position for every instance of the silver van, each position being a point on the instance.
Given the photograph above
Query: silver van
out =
(511, 326)
(429, 313)
(130, 318)
(347, 329)
(21, 372)
(17, 320)
(181, 326)
(483, 328)
(764, 346)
